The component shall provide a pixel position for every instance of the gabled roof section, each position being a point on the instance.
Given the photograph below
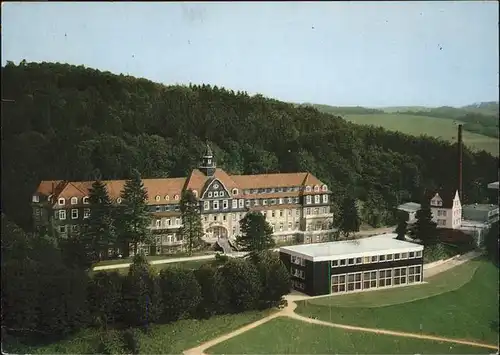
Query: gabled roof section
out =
(274, 180)
(447, 195)
(225, 179)
(195, 181)
(47, 187)
(163, 187)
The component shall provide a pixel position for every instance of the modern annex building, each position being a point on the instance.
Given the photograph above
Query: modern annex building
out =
(353, 265)
(297, 205)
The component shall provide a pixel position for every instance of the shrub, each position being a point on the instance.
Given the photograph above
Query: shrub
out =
(141, 295)
(274, 278)
(104, 296)
(242, 283)
(436, 252)
(181, 293)
(214, 297)
(131, 341)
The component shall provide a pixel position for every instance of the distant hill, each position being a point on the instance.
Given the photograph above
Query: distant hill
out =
(480, 119)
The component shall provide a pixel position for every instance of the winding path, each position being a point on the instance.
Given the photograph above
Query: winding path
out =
(289, 311)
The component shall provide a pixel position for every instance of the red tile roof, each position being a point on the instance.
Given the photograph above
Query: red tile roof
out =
(174, 186)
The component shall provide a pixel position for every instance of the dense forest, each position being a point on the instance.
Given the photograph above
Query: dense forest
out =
(71, 122)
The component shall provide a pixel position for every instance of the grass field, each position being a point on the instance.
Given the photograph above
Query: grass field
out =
(164, 339)
(415, 125)
(467, 312)
(290, 336)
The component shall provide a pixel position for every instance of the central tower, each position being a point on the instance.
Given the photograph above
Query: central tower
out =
(208, 165)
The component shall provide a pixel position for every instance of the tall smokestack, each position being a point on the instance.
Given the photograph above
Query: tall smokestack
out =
(460, 149)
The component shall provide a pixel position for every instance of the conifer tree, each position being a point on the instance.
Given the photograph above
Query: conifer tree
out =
(100, 229)
(256, 233)
(402, 227)
(134, 217)
(348, 220)
(425, 229)
(192, 228)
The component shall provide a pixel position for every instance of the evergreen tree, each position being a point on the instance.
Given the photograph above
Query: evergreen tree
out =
(402, 227)
(100, 229)
(134, 214)
(256, 233)
(425, 229)
(192, 229)
(348, 219)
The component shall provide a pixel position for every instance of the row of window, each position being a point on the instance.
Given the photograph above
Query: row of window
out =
(166, 208)
(376, 258)
(167, 222)
(317, 199)
(298, 285)
(298, 273)
(372, 279)
(167, 197)
(297, 260)
(61, 214)
(271, 190)
(62, 201)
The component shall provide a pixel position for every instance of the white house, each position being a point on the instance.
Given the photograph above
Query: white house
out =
(445, 207)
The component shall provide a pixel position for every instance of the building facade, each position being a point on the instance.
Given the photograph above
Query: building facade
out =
(353, 266)
(445, 207)
(297, 205)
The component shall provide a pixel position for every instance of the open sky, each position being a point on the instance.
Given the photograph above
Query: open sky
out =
(347, 54)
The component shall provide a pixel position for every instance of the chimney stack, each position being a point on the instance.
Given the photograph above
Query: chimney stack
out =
(460, 149)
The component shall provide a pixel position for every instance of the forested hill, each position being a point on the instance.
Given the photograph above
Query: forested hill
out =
(70, 122)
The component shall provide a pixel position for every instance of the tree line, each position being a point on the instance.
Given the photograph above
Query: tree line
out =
(46, 296)
(75, 123)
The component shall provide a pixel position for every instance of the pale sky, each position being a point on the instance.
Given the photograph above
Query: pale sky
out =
(346, 54)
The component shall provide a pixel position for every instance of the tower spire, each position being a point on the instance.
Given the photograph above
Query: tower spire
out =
(208, 165)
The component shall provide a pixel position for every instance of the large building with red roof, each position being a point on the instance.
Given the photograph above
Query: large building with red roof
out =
(297, 205)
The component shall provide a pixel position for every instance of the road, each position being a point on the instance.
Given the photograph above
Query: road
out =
(362, 234)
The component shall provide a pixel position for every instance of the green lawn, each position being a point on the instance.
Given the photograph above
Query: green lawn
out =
(290, 336)
(469, 310)
(163, 339)
(415, 125)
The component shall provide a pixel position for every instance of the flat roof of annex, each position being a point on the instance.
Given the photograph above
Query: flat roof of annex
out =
(375, 245)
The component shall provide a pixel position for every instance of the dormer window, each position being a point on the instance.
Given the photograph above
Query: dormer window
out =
(308, 188)
(61, 201)
(157, 197)
(167, 198)
(36, 198)
(316, 188)
(119, 200)
(176, 197)
(86, 200)
(74, 200)
(324, 188)
(195, 193)
(235, 191)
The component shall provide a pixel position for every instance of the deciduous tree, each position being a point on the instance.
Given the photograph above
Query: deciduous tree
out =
(256, 233)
